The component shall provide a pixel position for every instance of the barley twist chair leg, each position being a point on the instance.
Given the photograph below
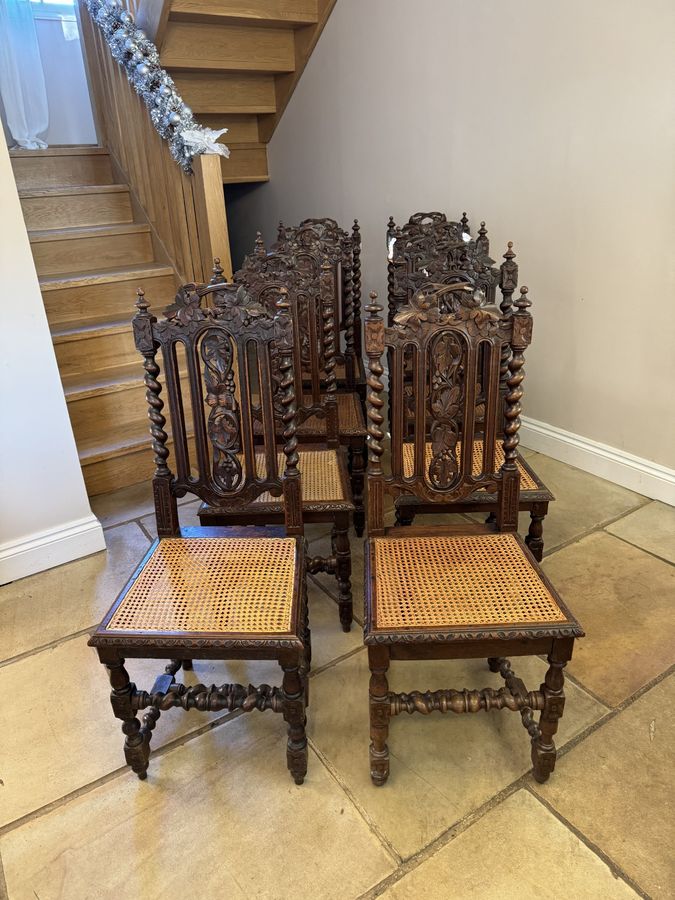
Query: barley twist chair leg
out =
(494, 663)
(136, 747)
(535, 539)
(343, 558)
(543, 747)
(187, 665)
(294, 716)
(378, 661)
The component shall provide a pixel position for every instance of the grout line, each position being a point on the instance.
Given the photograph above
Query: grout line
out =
(50, 646)
(581, 686)
(651, 553)
(4, 891)
(613, 867)
(600, 526)
(144, 530)
(338, 659)
(372, 826)
(438, 843)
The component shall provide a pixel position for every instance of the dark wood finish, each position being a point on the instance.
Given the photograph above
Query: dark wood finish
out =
(312, 355)
(307, 242)
(310, 275)
(445, 340)
(430, 251)
(223, 345)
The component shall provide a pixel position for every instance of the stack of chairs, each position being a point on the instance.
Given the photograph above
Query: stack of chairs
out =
(430, 251)
(264, 382)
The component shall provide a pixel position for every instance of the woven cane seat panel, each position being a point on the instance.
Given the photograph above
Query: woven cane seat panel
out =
(468, 580)
(527, 482)
(350, 417)
(236, 585)
(320, 470)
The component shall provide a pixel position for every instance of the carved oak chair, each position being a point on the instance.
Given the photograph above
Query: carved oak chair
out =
(327, 493)
(214, 593)
(462, 591)
(427, 260)
(313, 290)
(320, 236)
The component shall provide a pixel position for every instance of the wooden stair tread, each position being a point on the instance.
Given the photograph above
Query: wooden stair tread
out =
(66, 150)
(95, 326)
(103, 276)
(228, 48)
(91, 453)
(105, 381)
(67, 190)
(83, 231)
(264, 13)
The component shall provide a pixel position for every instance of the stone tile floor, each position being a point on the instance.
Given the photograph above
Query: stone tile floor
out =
(461, 816)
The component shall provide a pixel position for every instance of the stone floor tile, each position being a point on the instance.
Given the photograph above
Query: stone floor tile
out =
(61, 601)
(442, 767)
(187, 517)
(623, 598)
(217, 817)
(582, 502)
(550, 861)
(652, 527)
(616, 787)
(58, 729)
(57, 718)
(128, 503)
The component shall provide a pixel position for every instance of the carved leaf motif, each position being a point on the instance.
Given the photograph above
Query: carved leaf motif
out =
(223, 427)
(186, 306)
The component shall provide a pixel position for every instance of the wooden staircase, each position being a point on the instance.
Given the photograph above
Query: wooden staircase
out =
(236, 64)
(90, 256)
(103, 221)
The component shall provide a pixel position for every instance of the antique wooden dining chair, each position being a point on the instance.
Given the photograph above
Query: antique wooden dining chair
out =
(430, 260)
(263, 274)
(327, 493)
(317, 237)
(214, 593)
(463, 591)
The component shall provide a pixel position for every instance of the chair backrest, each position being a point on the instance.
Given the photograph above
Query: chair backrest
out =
(312, 309)
(445, 339)
(216, 365)
(324, 236)
(439, 251)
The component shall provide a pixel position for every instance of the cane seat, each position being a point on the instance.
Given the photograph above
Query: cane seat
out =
(446, 582)
(527, 481)
(211, 585)
(350, 419)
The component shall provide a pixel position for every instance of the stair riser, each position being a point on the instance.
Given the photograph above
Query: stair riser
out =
(208, 93)
(71, 211)
(228, 48)
(263, 13)
(53, 171)
(115, 299)
(244, 165)
(100, 252)
(92, 354)
(120, 471)
(102, 418)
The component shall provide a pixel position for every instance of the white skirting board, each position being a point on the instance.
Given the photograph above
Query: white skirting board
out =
(632, 472)
(46, 549)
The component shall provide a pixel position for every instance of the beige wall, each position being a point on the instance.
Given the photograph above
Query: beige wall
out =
(45, 518)
(554, 122)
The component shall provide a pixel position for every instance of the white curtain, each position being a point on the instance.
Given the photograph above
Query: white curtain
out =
(22, 83)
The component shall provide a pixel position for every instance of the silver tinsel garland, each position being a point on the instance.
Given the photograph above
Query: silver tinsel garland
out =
(172, 119)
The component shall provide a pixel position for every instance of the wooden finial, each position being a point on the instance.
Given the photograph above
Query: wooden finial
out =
(373, 308)
(523, 302)
(259, 245)
(482, 240)
(142, 304)
(217, 277)
(356, 228)
(509, 251)
(464, 222)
